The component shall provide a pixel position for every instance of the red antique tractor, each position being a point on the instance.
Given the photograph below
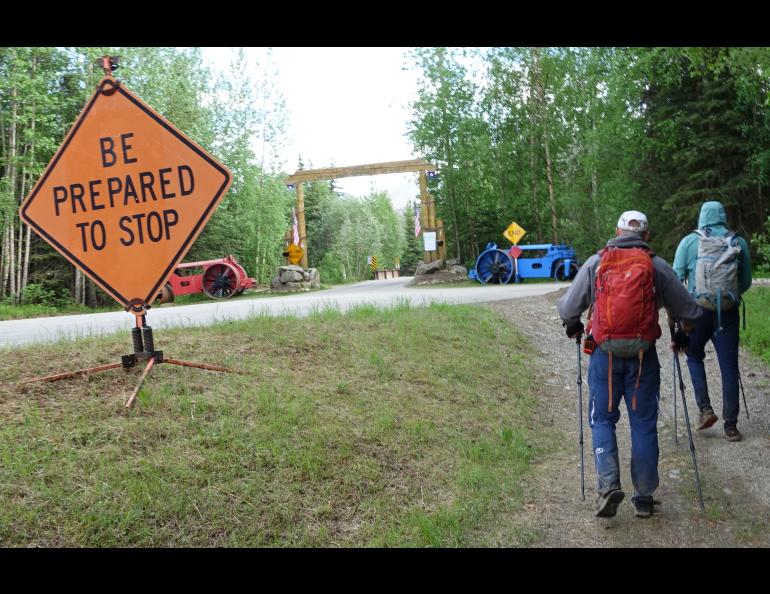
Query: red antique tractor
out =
(218, 279)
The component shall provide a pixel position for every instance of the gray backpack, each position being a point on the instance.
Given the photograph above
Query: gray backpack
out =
(716, 272)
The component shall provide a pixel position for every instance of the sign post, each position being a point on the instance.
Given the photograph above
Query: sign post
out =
(123, 199)
(514, 233)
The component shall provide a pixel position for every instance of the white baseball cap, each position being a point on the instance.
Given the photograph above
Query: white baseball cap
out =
(633, 220)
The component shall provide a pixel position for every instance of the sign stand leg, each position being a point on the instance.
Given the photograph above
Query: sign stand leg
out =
(144, 349)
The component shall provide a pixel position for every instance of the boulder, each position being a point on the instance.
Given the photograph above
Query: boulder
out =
(315, 278)
(429, 268)
(291, 276)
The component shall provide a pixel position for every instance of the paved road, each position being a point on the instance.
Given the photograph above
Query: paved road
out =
(381, 293)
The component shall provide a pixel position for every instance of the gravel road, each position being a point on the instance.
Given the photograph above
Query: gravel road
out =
(735, 477)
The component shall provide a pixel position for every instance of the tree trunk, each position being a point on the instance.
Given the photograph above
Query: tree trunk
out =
(451, 199)
(594, 175)
(27, 243)
(543, 109)
(4, 268)
(12, 173)
(78, 282)
(19, 258)
(28, 239)
(11, 263)
(535, 197)
(91, 293)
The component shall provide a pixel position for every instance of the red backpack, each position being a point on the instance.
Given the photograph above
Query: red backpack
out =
(624, 319)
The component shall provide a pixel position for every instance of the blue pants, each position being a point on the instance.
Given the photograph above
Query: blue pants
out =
(726, 347)
(643, 420)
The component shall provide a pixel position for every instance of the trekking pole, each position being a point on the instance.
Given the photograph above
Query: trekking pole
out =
(673, 369)
(745, 405)
(740, 379)
(676, 429)
(580, 418)
(687, 424)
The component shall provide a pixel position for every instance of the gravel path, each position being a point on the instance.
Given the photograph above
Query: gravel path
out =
(735, 477)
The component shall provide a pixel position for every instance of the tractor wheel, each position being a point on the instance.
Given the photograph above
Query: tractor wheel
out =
(494, 266)
(166, 294)
(221, 281)
(561, 275)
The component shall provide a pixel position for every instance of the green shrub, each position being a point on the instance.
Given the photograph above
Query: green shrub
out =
(35, 294)
(761, 244)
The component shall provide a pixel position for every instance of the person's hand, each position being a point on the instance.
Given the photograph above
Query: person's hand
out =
(574, 329)
(680, 341)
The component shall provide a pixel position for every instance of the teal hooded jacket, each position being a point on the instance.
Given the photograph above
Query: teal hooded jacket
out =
(712, 216)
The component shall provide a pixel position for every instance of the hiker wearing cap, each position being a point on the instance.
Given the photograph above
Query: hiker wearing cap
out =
(716, 266)
(625, 285)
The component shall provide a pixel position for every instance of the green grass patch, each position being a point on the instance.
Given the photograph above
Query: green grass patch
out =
(756, 337)
(19, 312)
(400, 427)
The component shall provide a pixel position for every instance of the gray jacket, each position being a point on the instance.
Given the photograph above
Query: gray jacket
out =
(669, 292)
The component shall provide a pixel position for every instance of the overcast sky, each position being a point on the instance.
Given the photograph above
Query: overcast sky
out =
(346, 106)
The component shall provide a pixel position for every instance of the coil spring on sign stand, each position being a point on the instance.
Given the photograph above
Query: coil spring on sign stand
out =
(136, 336)
(149, 341)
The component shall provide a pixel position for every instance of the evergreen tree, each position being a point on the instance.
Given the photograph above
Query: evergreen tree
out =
(413, 250)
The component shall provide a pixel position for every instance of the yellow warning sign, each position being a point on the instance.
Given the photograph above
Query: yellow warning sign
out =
(514, 233)
(295, 253)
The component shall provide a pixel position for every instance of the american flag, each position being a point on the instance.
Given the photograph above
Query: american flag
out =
(416, 221)
(295, 227)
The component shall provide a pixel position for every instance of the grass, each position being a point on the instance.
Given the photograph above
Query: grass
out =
(19, 312)
(375, 428)
(756, 337)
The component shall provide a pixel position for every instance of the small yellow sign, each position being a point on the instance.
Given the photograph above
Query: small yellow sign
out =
(295, 254)
(373, 263)
(514, 233)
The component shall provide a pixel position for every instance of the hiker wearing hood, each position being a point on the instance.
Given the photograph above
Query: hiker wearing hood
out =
(716, 266)
(625, 285)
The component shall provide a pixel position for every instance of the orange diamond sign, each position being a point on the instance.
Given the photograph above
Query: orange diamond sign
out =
(295, 253)
(126, 195)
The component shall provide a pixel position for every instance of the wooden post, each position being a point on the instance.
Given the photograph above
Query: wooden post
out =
(434, 225)
(425, 218)
(301, 222)
(440, 237)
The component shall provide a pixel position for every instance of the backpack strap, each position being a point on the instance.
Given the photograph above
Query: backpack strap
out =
(719, 310)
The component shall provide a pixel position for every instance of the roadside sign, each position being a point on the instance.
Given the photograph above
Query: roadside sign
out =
(295, 253)
(514, 233)
(373, 263)
(429, 240)
(515, 251)
(126, 195)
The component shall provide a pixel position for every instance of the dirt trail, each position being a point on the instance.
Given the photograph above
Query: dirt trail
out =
(735, 477)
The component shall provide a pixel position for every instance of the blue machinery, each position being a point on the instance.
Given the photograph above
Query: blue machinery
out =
(495, 266)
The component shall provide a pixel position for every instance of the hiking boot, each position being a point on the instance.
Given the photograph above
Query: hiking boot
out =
(706, 419)
(607, 504)
(643, 506)
(732, 434)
